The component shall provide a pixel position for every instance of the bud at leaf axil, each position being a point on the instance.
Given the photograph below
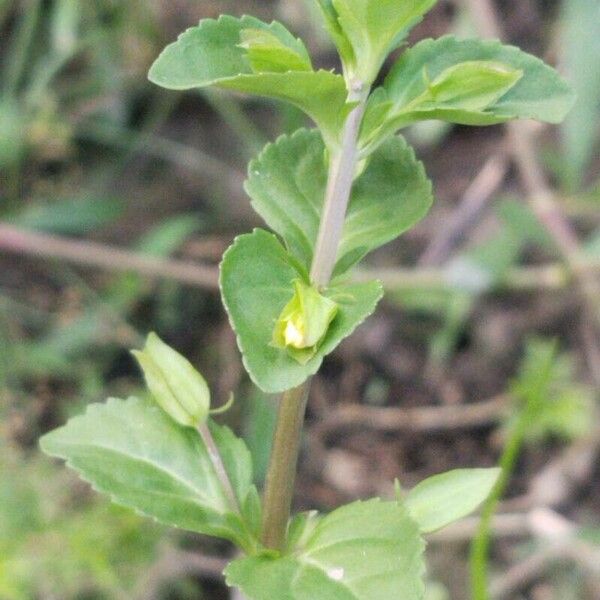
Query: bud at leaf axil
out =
(176, 386)
(304, 322)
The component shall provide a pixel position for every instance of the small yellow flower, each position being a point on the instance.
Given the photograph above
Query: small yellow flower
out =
(304, 322)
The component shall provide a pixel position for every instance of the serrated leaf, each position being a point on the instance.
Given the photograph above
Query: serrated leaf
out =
(266, 52)
(390, 197)
(373, 28)
(287, 185)
(338, 36)
(364, 551)
(257, 281)
(443, 499)
(473, 85)
(134, 452)
(216, 53)
(539, 94)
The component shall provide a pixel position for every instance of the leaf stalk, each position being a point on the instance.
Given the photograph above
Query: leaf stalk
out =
(219, 467)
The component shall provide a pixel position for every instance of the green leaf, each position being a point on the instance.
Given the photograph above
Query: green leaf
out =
(287, 185)
(134, 452)
(580, 49)
(257, 281)
(266, 52)
(548, 394)
(364, 551)
(449, 64)
(443, 499)
(74, 216)
(226, 53)
(373, 28)
(338, 36)
(391, 196)
(472, 85)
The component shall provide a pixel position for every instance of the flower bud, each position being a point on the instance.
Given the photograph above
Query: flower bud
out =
(176, 386)
(304, 322)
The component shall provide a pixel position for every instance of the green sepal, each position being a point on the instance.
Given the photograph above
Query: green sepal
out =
(144, 460)
(287, 185)
(540, 93)
(174, 383)
(257, 280)
(304, 322)
(220, 53)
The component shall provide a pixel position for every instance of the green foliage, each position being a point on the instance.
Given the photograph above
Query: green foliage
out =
(547, 403)
(581, 47)
(259, 419)
(548, 396)
(257, 279)
(227, 53)
(268, 53)
(443, 499)
(74, 216)
(363, 551)
(13, 142)
(510, 84)
(366, 31)
(287, 185)
(46, 549)
(154, 461)
(144, 460)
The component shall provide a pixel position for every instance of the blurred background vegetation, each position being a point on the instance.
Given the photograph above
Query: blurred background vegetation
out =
(117, 200)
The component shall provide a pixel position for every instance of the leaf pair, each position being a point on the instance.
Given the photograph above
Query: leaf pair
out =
(143, 459)
(369, 550)
(471, 82)
(287, 186)
(366, 31)
(257, 282)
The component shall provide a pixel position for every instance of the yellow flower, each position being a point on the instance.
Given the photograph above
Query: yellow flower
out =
(304, 322)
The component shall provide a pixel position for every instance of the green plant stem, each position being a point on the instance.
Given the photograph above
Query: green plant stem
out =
(480, 547)
(281, 475)
(219, 467)
(337, 195)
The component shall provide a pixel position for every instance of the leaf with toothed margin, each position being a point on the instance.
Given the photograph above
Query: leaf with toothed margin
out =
(144, 460)
(287, 185)
(366, 31)
(478, 98)
(363, 551)
(257, 281)
(230, 53)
